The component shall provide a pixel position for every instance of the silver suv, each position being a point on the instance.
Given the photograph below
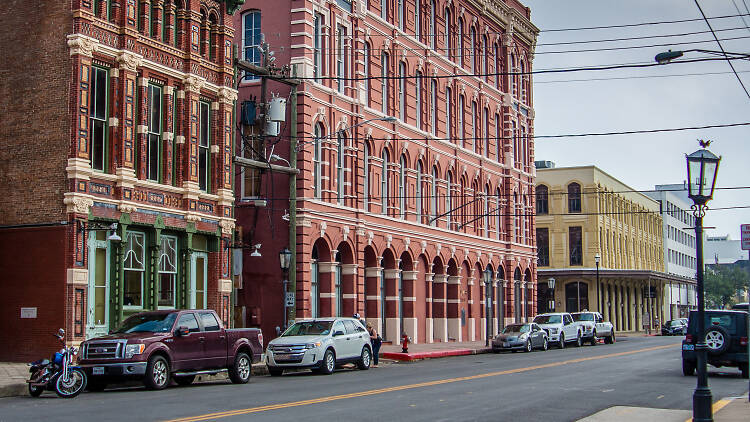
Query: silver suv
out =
(320, 344)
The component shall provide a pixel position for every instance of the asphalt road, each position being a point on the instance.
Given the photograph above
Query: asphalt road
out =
(557, 385)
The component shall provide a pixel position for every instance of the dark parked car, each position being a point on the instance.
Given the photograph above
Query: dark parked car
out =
(521, 337)
(726, 338)
(172, 344)
(675, 327)
(741, 307)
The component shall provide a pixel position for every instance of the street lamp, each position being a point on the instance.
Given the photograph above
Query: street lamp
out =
(488, 303)
(551, 289)
(702, 166)
(597, 259)
(668, 56)
(285, 258)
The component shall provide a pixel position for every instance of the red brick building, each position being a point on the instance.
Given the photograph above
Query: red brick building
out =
(118, 118)
(397, 219)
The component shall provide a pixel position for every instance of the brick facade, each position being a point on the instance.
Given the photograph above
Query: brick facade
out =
(121, 112)
(407, 263)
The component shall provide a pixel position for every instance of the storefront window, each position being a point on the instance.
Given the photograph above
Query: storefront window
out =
(134, 269)
(167, 271)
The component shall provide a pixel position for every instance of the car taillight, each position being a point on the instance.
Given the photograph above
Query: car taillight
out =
(743, 341)
(689, 338)
(260, 339)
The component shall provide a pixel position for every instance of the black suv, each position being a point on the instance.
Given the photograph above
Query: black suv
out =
(726, 338)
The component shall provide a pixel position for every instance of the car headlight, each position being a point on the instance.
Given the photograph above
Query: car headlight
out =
(313, 345)
(523, 336)
(553, 330)
(133, 349)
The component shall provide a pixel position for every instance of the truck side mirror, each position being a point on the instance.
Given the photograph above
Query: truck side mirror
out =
(182, 331)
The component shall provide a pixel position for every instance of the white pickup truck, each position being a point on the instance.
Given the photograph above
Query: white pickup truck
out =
(560, 328)
(594, 327)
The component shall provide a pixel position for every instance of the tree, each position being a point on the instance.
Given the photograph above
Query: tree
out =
(723, 284)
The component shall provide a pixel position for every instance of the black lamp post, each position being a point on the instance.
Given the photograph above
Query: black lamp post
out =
(285, 258)
(551, 289)
(702, 167)
(597, 259)
(488, 304)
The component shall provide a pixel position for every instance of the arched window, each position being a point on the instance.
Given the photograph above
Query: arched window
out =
(402, 91)
(402, 187)
(486, 212)
(497, 65)
(485, 58)
(499, 215)
(433, 106)
(447, 42)
(448, 114)
(460, 124)
(317, 156)
(498, 138)
(366, 176)
(516, 217)
(523, 82)
(574, 197)
(384, 74)
(401, 14)
(384, 184)
(418, 99)
(418, 192)
(542, 200)
(486, 132)
(366, 71)
(474, 131)
(317, 47)
(433, 25)
(473, 50)
(515, 144)
(449, 201)
(460, 42)
(514, 76)
(417, 19)
(434, 197)
(384, 10)
(340, 166)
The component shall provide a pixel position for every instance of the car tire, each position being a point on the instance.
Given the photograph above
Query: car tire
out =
(610, 339)
(528, 347)
(157, 373)
(688, 367)
(717, 339)
(546, 344)
(594, 339)
(579, 341)
(329, 363)
(95, 386)
(744, 370)
(242, 369)
(561, 343)
(365, 358)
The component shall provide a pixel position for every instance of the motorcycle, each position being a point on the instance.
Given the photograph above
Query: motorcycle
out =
(57, 374)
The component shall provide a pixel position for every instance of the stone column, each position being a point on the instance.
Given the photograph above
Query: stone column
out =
(411, 327)
(605, 298)
(168, 22)
(145, 14)
(168, 137)
(392, 324)
(453, 306)
(429, 279)
(124, 149)
(157, 19)
(81, 50)
(439, 309)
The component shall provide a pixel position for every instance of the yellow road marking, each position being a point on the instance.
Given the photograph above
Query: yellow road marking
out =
(715, 407)
(229, 413)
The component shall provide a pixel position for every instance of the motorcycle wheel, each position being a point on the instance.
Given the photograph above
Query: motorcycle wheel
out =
(73, 387)
(35, 391)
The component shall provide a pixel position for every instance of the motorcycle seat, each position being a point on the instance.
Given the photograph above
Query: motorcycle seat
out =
(41, 362)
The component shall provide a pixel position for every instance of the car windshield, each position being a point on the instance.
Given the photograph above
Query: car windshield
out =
(583, 317)
(548, 319)
(516, 328)
(148, 323)
(676, 323)
(309, 328)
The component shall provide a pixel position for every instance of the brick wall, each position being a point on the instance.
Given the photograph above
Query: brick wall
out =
(34, 131)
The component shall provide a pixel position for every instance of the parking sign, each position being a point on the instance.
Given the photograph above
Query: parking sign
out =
(745, 232)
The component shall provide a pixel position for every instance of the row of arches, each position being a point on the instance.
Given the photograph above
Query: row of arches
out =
(431, 299)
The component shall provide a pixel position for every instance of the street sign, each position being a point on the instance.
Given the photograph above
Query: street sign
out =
(290, 301)
(745, 234)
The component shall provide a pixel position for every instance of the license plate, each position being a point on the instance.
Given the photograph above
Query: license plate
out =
(97, 370)
(281, 356)
(688, 347)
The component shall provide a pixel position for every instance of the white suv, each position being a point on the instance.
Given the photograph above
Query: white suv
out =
(560, 328)
(320, 344)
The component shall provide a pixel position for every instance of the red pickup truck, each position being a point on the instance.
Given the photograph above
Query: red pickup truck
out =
(172, 344)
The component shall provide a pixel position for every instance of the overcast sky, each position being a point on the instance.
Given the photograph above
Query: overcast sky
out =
(643, 98)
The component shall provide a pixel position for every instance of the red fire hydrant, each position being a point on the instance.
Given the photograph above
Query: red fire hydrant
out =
(405, 343)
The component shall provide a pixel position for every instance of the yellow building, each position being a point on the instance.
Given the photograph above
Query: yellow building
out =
(582, 213)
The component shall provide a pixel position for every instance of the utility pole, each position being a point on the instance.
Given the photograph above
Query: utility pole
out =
(268, 71)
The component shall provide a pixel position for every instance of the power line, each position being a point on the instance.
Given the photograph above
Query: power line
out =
(632, 47)
(538, 82)
(722, 49)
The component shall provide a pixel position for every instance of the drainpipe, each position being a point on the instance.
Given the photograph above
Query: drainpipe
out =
(292, 285)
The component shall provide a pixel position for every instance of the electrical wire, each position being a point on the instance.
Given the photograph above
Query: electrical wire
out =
(538, 82)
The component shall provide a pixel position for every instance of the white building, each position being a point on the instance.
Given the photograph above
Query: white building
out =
(679, 246)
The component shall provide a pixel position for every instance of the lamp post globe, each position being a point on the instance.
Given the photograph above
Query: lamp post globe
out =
(702, 166)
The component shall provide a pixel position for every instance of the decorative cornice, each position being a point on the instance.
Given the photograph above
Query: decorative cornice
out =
(227, 95)
(77, 204)
(129, 61)
(193, 83)
(82, 45)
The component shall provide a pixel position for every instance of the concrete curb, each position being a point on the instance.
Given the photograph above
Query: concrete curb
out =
(13, 390)
(410, 357)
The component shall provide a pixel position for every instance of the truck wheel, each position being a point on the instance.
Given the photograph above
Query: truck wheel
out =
(594, 339)
(561, 343)
(157, 373)
(578, 339)
(329, 363)
(688, 368)
(187, 380)
(240, 372)
(610, 339)
(364, 359)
